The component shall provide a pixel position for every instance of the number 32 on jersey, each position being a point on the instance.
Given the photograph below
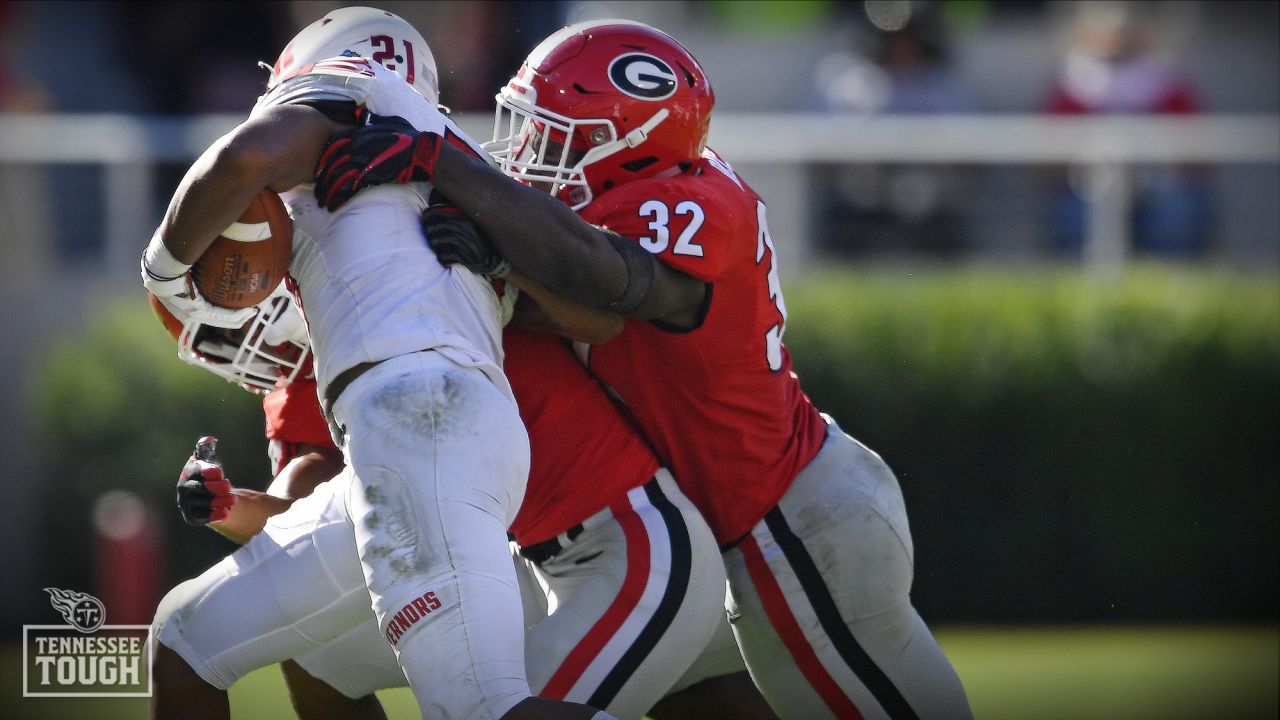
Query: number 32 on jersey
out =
(659, 215)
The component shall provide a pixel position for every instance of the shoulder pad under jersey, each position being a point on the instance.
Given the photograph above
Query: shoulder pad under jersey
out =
(341, 78)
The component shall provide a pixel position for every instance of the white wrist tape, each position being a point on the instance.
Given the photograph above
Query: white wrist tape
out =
(160, 264)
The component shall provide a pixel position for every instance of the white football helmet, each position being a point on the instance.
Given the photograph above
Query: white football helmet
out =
(370, 33)
(268, 352)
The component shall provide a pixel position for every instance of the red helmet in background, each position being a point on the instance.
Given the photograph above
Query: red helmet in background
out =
(598, 104)
(269, 351)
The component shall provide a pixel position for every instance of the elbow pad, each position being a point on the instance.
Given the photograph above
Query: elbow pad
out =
(640, 269)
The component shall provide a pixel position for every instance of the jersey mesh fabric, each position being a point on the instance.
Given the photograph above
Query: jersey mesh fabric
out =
(733, 431)
(560, 403)
(293, 415)
(352, 292)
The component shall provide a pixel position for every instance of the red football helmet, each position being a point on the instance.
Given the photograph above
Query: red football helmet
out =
(598, 104)
(269, 351)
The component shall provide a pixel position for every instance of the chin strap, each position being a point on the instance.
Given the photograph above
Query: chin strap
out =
(271, 81)
(630, 140)
(640, 134)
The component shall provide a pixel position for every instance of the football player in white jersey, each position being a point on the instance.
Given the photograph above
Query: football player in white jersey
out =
(408, 365)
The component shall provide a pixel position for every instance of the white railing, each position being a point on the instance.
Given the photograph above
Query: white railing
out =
(129, 146)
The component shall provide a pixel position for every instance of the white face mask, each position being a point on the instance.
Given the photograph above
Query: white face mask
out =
(273, 347)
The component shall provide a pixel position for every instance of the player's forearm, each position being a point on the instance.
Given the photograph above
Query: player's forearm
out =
(549, 313)
(298, 479)
(249, 515)
(278, 149)
(214, 192)
(537, 233)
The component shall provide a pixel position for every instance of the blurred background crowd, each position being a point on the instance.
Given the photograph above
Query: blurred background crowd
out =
(1033, 489)
(882, 57)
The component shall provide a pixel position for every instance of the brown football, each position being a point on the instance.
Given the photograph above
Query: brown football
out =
(249, 259)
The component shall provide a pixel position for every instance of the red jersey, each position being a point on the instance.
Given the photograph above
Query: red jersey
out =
(719, 403)
(293, 415)
(582, 452)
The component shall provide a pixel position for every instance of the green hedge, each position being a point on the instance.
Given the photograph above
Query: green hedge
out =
(1070, 449)
(118, 410)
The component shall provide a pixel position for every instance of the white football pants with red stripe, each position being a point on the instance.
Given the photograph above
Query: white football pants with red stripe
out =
(819, 599)
(631, 602)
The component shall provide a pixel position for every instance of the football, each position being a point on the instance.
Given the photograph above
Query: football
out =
(250, 258)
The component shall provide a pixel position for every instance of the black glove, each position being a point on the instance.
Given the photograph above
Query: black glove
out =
(457, 241)
(387, 150)
(204, 494)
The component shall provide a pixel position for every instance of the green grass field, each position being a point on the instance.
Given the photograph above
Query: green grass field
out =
(1120, 673)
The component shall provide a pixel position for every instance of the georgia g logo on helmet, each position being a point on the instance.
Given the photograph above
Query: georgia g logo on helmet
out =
(642, 76)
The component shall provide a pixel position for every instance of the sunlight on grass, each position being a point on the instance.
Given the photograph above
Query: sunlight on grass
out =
(1120, 673)
(1129, 673)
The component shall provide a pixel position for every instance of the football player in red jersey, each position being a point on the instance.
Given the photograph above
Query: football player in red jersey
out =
(612, 118)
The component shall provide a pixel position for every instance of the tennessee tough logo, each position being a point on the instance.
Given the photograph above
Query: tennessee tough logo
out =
(82, 611)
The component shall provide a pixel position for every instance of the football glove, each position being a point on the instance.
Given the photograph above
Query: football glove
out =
(456, 240)
(204, 493)
(386, 150)
(169, 281)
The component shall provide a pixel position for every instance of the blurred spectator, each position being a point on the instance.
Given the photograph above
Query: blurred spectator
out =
(908, 72)
(201, 57)
(894, 209)
(26, 234)
(19, 92)
(767, 17)
(478, 46)
(1111, 68)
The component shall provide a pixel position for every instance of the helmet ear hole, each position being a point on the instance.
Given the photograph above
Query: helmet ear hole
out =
(639, 164)
(688, 76)
(203, 337)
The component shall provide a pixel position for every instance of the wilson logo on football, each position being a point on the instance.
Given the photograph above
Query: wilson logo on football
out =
(643, 76)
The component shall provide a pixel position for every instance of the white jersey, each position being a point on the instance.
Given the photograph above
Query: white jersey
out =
(369, 285)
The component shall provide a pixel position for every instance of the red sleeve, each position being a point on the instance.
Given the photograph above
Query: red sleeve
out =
(1062, 103)
(293, 415)
(1180, 100)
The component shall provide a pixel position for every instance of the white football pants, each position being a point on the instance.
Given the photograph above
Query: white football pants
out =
(439, 458)
(415, 526)
(818, 598)
(630, 603)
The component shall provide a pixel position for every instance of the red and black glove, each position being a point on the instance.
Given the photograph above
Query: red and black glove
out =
(387, 150)
(456, 240)
(204, 494)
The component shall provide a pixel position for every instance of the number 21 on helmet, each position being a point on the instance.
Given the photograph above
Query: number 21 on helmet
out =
(371, 33)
